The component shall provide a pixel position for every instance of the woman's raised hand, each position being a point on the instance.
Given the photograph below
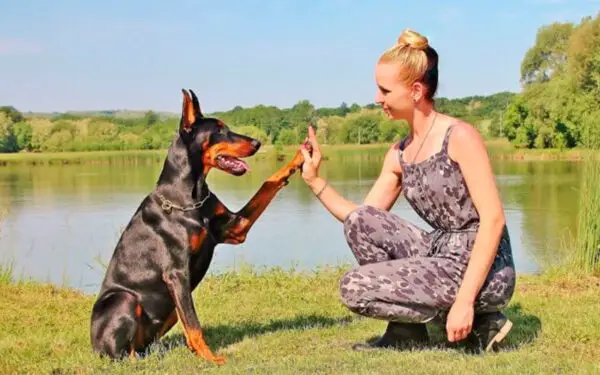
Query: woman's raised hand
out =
(310, 167)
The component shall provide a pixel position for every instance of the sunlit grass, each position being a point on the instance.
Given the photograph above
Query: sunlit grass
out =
(277, 321)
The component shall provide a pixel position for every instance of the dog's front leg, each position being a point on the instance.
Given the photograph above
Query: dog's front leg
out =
(236, 230)
(178, 284)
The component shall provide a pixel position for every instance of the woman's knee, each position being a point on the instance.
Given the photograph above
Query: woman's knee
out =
(352, 291)
(358, 221)
(352, 226)
(352, 219)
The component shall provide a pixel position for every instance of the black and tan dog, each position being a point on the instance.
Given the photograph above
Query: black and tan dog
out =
(168, 245)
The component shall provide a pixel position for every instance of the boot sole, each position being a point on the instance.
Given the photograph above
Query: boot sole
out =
(500, 335)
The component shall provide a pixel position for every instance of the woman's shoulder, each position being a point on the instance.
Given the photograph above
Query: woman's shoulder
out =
(461, 131)
(463, 137)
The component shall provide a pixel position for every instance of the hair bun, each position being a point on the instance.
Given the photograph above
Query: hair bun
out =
(413, 39)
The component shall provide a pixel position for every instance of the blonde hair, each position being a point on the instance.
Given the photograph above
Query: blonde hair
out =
(417, 59)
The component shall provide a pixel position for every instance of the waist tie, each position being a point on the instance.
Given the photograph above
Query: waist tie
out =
(438, 233)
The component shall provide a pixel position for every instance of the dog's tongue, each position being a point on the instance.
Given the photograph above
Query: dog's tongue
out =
(242, 164)
(238, 165)
(233, 164)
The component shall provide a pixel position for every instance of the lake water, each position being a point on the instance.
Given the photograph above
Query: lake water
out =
(61, 223)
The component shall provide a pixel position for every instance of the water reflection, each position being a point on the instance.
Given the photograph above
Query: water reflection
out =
(60, 223)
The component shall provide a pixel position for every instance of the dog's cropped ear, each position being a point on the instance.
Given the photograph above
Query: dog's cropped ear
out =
(190, 110)
(196, 104)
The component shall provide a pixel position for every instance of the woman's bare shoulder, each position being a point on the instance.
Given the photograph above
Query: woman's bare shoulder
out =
(464, 137)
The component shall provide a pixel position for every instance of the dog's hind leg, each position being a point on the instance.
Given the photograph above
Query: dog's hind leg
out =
(115, 326)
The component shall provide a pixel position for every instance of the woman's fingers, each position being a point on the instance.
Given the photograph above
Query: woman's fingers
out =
(307, 158)
(313, 141)
(457, 333)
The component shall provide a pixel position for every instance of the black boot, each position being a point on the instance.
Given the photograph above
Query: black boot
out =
(488, 330)
(398, 335)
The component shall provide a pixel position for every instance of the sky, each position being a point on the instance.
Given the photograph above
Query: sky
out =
(66, 55)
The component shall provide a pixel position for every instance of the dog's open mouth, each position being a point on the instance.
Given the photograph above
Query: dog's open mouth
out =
(231, 164)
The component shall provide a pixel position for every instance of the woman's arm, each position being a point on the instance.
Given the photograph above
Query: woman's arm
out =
(469, 151)
(333, 201)
(383, 194)
(387, 187)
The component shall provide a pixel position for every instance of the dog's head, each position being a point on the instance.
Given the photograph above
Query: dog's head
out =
(211, 142)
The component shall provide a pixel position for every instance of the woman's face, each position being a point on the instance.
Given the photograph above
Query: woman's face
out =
(397, 99)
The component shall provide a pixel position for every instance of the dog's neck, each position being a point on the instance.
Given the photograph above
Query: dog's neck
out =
(181, 180)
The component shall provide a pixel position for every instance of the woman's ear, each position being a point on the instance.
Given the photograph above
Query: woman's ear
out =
(418, 91)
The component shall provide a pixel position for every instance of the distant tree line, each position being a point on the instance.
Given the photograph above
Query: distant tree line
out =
(345, 124)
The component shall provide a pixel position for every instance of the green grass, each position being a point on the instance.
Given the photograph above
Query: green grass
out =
(588, 231)
(6, 274)
(283, 322)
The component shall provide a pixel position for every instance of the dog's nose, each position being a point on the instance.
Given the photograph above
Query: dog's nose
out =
(256, 144)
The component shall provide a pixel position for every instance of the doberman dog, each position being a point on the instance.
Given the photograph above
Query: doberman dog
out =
(167, 247)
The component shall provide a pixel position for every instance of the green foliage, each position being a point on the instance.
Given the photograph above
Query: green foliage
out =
(287, 137)
(587, 249)
(392, 131)
(12, 113)
(118, 130)
(8, 141)
(547, 57)
(362, 129)
(23, 134)
(560, 104)
(254, 132)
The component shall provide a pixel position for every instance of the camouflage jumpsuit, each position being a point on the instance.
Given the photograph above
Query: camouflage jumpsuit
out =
(406, 274)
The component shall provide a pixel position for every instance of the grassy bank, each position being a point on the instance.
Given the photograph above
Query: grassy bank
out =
(84, 157)
(498, 148)
(502, 149)
(281, 322)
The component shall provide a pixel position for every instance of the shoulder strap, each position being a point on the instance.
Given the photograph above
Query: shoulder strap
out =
(447, 138)
(401, 145)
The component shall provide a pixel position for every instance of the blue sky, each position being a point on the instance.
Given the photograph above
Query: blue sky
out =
(74, 55)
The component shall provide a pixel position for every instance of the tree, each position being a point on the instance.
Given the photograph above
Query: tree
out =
(8, 141)
(548, 55)
(151, 118)
(362, 129)
(287, 137)
(584, 55)
(23, 134)
(560, 102)
(12, 113)
(254, 132)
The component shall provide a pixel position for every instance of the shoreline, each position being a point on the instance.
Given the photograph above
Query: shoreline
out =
(498, 150)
